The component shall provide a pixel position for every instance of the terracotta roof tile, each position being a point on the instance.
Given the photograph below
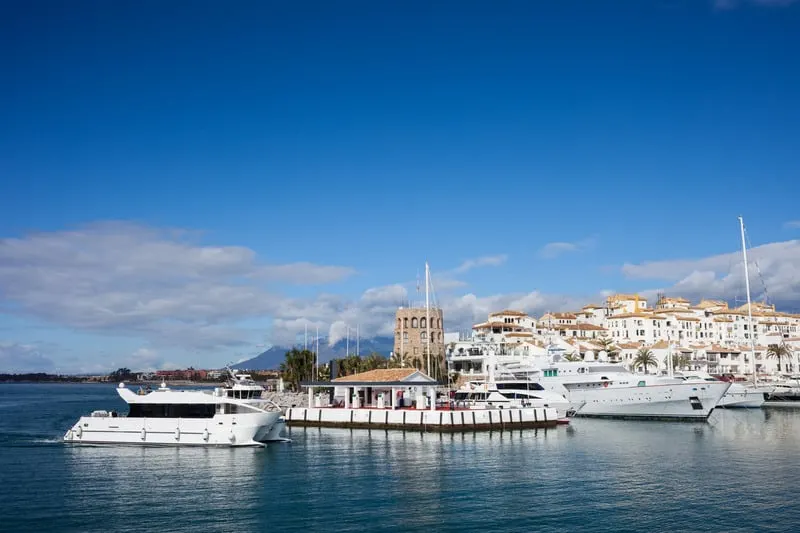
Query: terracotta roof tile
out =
(380, 374)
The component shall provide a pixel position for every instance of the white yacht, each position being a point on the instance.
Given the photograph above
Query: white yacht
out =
(604, 389)
(170, 417)
(784, 393)
(739, 395)
(503, 389)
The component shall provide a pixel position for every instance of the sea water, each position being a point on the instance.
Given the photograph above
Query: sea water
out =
(737, 472)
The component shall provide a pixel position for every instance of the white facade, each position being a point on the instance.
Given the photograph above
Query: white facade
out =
(709, 335)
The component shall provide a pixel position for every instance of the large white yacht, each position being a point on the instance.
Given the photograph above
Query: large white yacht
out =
(219, 417)
(784, 393)
(605, 389)
(738, 395)
(503, 389)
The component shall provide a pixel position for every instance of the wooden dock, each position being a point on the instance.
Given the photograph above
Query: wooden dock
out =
(462, 420)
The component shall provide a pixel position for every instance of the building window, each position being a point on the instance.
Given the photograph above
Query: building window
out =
(405, 322)
(414, 322)
(423, 336)
(422, 322)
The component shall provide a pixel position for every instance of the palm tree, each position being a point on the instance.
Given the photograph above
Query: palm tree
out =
(399, 361)
(678, 361)
(373, 361)
(644, 358)
(608, 346)
(297, 366)
(324, 372)
(572, 357)
(779, 351)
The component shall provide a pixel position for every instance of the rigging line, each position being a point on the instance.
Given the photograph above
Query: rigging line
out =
(767, 298)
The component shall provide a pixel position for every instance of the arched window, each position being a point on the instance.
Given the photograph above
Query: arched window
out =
(423, 336)
(399, 323)
(414, 322)
(422, 322)
(405, 322)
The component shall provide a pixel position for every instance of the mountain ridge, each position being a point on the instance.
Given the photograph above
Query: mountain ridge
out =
(271, 358)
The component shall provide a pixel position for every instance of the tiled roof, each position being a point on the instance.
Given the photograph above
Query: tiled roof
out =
(509, 312)
(380, 374)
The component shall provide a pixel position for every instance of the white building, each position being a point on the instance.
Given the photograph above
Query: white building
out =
(708, 336)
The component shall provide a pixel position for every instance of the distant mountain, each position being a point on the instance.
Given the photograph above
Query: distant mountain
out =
(272, 358)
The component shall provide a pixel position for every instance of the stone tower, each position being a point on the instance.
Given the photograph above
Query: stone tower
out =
(410, 330)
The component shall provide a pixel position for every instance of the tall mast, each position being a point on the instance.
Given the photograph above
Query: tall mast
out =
(749, 307)
(316, 358)
(347, 345)
(428, 316)
(358, 340)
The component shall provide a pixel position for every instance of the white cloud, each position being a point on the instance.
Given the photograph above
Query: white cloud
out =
(553, 250)
(487, 260)
(792, 224)
(774, 273)
(22, 358)
(121, 278)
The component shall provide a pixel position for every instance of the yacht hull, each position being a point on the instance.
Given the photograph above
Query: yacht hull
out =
(655, 402)
(742, 397)
(221, 430)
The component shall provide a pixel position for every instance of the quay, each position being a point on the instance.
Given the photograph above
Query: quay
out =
(403, 399)
(425, 420)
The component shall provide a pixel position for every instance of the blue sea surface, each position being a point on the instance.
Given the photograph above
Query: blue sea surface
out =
(737, 472)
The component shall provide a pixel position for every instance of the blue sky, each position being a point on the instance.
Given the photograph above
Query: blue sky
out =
(372, 136)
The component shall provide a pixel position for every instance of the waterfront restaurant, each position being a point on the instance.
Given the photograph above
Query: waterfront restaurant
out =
(383, 388)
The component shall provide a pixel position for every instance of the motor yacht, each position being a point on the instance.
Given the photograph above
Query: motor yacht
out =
(739, 395)
(606, 389)
(784, 393)
(502, 389)
(168, 417)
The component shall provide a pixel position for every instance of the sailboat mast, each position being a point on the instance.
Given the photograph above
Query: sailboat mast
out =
(749, 306)
(316, 358)
(358, 340)
(347, 344)
(428, 316)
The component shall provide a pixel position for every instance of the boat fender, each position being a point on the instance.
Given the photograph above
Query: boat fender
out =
(232, 437)
(605, 384)
(205, 434)
(79, 431)
(144, 434)
(177, 433)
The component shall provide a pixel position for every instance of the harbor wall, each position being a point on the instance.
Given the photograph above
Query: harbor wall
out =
(423, 420)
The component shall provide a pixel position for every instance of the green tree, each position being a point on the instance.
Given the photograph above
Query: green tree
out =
(297, 366)
(399, 361)
(679, 361)
(609, 346)
(121, 374)
(779, 351)
(572, 357)
(374, 361)
(644, 358)
(324, 372)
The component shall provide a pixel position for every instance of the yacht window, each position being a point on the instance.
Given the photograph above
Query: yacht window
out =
(172, 410)
(642, 384)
